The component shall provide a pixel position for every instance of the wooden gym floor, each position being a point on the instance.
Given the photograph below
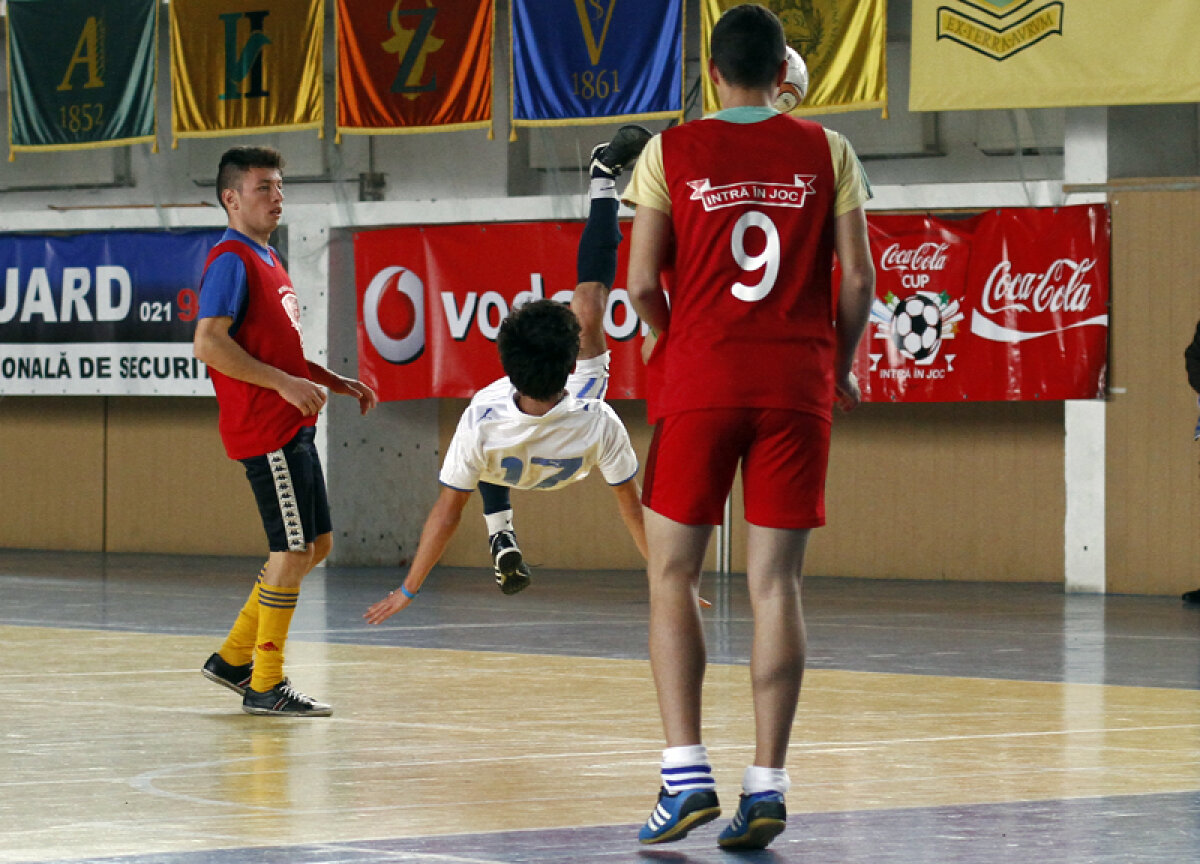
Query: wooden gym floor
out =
(940, 722)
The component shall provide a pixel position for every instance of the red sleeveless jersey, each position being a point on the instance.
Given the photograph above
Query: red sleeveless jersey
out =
(750, 283)
(254, 420)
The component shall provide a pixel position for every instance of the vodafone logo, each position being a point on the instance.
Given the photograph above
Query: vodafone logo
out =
(394, 314)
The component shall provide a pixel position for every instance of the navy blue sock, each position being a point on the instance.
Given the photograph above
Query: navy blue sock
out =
(495, 498)
(596, 260)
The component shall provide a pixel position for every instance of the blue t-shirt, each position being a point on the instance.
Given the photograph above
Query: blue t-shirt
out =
(223, 289)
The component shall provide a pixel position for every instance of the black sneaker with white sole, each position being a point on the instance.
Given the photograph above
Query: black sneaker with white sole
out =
(512, 574)
(283, 700)
(236, 678)
(611, 157)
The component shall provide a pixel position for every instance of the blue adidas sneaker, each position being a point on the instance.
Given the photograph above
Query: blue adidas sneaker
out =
(676, 815)
(760, 818)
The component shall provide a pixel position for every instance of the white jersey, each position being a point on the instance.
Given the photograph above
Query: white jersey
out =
(497, 442)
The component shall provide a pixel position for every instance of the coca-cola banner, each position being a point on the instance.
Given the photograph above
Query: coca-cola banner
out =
(1006, 305)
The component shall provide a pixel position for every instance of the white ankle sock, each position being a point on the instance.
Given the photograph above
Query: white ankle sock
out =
(759, 779)
(499, 521)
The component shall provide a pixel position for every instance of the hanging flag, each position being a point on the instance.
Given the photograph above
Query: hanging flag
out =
(81, 73)
(407, 66)
(574, 61)
(985, 54)
(239, 69)
(843, 43)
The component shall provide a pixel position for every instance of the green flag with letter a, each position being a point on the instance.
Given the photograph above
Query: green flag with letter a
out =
(81, 73)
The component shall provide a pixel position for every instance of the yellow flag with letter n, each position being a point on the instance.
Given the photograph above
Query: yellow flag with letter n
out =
(246, 67)
(995, 54)
(843, 43)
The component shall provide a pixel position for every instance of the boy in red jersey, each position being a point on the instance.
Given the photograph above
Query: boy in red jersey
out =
(743, 211)
(248, 334)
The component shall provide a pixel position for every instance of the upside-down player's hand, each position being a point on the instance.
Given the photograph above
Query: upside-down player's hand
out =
(387, 607)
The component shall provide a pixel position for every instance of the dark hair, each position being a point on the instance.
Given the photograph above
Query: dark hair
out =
(236, 161)
(748, 45)
(538, 343)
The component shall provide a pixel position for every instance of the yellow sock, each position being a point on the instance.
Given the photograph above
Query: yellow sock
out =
(238, 648)
(275, 608)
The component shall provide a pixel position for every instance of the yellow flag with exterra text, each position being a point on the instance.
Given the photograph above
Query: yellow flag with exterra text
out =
(987, 54)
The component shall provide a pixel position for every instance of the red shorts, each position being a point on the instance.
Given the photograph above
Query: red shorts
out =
(695, 454)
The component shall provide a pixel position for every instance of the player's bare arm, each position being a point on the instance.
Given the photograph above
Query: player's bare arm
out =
(629, 502)
(648, 248)
(440, 525)
(214, 347)
(854, 299)
(344, 386)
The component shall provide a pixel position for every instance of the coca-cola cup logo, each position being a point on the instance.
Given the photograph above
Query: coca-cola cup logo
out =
(394, 314)
(927, 257)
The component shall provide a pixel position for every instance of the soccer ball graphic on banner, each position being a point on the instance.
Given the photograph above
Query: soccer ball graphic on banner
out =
(917, 326)
(795, 85)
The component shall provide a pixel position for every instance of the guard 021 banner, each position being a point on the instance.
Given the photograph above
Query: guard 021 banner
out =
(431, 299)
(105, 314)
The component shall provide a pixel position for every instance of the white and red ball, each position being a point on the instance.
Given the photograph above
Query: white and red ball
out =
(795, 84)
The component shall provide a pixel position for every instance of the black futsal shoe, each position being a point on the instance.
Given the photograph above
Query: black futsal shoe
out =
(236, 678)
(611, 157)
(1192, 597)
(512, 574)
(283, 700)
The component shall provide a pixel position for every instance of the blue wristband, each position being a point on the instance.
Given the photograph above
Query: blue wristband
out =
(409, 594)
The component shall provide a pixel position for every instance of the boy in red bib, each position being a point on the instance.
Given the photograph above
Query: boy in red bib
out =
(269, 394)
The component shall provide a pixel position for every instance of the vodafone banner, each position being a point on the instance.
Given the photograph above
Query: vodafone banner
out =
(1007, 305)
(431, 299)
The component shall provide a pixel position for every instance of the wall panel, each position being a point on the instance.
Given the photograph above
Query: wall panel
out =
(968, 492)
(171, 488)
(52, 473)
(1153, 489)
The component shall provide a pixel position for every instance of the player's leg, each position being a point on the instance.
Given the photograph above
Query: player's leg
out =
(775, 559)
(232, 664)
(596, 258)
(773, 572)
(289, 487)
(682, 506)
(512, 574)
(784, 478)
(687, 797)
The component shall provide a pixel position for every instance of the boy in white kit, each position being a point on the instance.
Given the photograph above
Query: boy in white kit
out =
(541, 427)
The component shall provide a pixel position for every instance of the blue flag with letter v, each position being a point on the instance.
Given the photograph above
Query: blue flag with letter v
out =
(579, 61)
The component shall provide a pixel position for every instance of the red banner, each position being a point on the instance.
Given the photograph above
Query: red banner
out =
(431, 300)
(1007, 305)
(410, 67)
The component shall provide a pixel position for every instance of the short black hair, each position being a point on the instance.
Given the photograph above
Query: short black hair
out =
(236, 161)
(538, 343)
(748, 45)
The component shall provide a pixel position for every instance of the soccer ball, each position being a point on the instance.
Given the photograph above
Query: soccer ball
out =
(917, 326)
(795, 85)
